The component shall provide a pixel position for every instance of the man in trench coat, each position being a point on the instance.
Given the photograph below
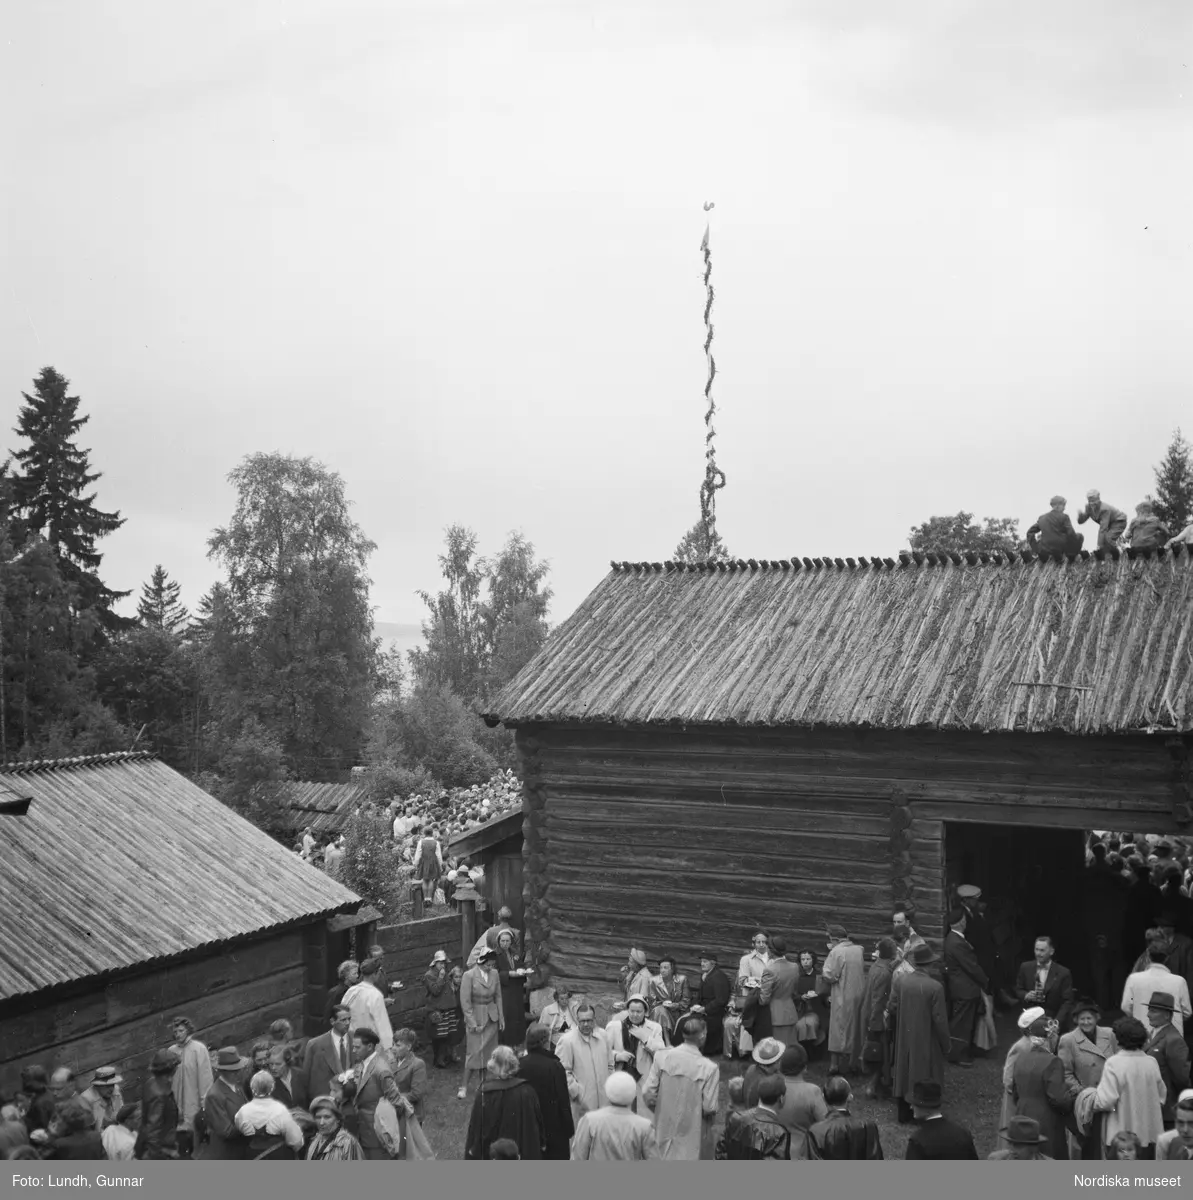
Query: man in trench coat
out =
(917, 1009)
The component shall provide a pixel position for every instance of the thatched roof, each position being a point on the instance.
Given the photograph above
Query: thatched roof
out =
(1095, 644)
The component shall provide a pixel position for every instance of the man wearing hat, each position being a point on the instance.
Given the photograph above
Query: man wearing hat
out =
(1053, 533)
(919, 1016)
(978, 935)
(612, 1133)
(1025, 1141)
(103, 1097)
(968, 984)
(767, 1056)
(1038, 1087)
(1169, 1050)
(224, 1099)
(937, 1136)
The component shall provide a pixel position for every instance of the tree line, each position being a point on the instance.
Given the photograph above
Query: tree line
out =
(276, 676)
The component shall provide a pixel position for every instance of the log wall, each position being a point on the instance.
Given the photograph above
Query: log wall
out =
(676, 841)
(232, 997)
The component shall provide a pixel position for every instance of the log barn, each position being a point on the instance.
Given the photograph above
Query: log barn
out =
(711, 748)
(497, 847)
(130, 895)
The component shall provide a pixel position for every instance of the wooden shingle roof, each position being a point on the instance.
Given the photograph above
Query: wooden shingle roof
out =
(1092, 644)
(325, 807)
(119, 860)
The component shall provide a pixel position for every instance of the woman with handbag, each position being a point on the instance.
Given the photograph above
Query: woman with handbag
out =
(441, 1010)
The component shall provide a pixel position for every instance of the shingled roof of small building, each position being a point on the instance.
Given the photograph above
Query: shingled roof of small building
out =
(1092, 643)
(118, 860)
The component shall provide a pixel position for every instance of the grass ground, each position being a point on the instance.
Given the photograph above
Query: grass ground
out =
(973, 1097)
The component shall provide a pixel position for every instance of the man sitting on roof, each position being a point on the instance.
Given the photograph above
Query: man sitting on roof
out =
(1053, 532)
(1146, 531)
(1111, 521)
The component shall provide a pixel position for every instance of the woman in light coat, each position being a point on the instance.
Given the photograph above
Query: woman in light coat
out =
(1131, 1091)
(1083, 1054)
(634, 1041)
(845, 970)
(484, 1017)
(737, 1037)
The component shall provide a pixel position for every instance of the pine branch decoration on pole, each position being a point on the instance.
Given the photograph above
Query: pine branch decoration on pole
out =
(714, 477)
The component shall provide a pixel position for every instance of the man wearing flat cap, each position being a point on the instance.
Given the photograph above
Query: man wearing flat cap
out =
(937, 1136)
(967, 987)
(919, 1015)
(978, 935)
(1169, 1050)
(1111, 522)
(1053, 533)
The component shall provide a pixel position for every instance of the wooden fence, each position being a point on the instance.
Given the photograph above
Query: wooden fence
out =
(409, 948)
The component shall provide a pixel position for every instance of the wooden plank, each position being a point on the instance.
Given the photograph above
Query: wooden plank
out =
(666, 818)
(659, 894)
(569, 837)
(732, 868)
(1060, 818)
(762, 793)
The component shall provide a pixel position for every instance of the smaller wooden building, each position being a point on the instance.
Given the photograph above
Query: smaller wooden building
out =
(325, 807)
(497, 847)
(129, 896)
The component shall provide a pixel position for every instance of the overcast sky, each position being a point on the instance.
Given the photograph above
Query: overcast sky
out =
(452, 251)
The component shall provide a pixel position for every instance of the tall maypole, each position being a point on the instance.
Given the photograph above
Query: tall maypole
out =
(714, 477)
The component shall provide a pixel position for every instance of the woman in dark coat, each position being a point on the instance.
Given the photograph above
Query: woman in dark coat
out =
(812, 1025)
(544, 1072)
(1038, 1090)
(506, 1106)
(513, 990)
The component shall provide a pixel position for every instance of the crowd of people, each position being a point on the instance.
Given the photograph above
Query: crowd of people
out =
(1088, 1078)
(423, 827)
(1053, 532)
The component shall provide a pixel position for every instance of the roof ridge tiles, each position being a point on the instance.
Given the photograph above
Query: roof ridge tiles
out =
(83, 760)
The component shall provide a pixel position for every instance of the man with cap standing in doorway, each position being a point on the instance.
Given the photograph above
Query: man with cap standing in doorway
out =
(1111, 522)
(1169, 1050)
(967, 985)
(918, 1013)
(937, 1136)
(978, 935)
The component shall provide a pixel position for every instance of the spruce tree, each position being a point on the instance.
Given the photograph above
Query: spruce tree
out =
(159, 606)
(1173, 501)
(50, 493)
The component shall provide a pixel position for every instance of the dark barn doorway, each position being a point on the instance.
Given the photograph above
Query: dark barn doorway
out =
(1031, 879)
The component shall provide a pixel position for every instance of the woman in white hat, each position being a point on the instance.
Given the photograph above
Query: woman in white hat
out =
(441, 1010)
(1026, 1020)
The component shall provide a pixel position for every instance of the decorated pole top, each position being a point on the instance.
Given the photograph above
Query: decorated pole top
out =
(714, 477)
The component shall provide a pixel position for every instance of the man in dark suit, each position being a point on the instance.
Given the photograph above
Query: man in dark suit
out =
(223, 1101)
(1046, 983)
(978, 935)
(779, 979)
(967, 984)
(937, 1136)
(711, 996)
(1170, 1051)
(328, 1055)
(375, 1078)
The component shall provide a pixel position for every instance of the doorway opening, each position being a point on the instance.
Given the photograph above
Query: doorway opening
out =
(1031, 880)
